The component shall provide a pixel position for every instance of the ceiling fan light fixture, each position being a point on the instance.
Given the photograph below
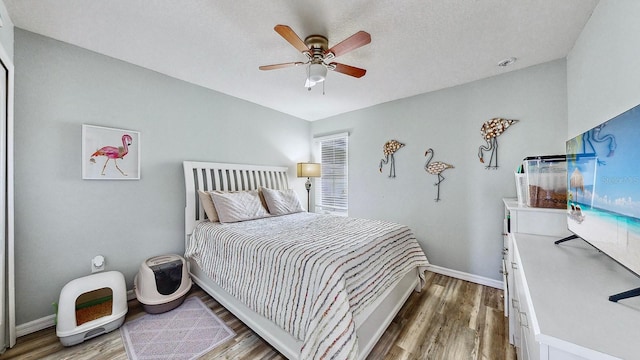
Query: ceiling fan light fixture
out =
(315, 48)
(317, 73)
(309, 84)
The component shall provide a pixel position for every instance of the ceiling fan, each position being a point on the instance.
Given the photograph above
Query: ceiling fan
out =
(316, 49)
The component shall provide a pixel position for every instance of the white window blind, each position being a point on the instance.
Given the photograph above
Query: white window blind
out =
(333, 185)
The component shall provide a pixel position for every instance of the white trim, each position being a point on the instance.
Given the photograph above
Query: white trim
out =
(131, 295)
(467, 276)
(36, 325)
(9, 286)
(331, 137)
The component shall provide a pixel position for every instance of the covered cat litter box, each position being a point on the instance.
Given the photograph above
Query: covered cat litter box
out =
(162, 283)
(90, 306)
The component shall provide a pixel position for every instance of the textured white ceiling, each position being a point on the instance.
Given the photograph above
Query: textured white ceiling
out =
(417, 45)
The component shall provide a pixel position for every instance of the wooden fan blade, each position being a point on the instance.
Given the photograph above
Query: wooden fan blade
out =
(280, 66)
(291, 37)
(347, 70)
(353, 42)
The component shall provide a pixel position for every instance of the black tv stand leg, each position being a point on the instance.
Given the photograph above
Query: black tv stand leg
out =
(570, 237)
(625, 295)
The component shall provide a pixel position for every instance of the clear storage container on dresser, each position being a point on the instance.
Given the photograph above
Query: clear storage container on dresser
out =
(546, 181)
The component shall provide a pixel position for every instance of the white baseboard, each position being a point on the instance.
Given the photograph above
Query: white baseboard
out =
(467, 277)
(35, 325)
(49, 321)
(131, 295)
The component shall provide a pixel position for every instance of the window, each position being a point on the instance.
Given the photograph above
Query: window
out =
(333, 186)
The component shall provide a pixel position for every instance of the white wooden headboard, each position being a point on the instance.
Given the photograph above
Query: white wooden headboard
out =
(225, 177)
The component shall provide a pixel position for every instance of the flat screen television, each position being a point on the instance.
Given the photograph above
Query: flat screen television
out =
(603, 190)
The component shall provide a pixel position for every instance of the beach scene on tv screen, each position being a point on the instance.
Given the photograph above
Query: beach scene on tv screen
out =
(603, 187)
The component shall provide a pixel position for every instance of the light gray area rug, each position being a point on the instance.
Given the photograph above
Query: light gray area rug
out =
(185, 332)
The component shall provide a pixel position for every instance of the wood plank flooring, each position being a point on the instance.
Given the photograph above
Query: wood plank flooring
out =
(449, 319)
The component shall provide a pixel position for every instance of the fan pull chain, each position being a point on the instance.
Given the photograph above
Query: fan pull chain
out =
(323, 87)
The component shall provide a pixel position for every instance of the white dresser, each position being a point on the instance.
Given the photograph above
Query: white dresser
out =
(525, 220)
(557, 295)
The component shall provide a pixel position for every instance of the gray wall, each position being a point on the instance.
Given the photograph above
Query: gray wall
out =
(603, 68)
(63, 221)
(463, 230)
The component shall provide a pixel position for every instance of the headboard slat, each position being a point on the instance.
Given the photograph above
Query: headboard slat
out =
(245, 183)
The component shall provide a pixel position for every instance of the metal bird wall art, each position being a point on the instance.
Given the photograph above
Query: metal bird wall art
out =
(389, 148)
(490, 131)
(436, 168)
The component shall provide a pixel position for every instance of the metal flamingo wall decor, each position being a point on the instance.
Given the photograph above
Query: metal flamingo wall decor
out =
(490, 131)
(436, 168)
(389, 148)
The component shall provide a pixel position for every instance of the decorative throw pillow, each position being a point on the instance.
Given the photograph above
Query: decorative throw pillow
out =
(207, 205)
(281, 202)
(238, 206)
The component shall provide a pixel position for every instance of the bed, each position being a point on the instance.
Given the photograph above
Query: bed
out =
(345, 315)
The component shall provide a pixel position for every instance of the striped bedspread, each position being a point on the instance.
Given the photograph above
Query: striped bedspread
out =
(310, 274)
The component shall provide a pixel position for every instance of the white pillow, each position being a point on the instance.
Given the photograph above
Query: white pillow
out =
(281, 202)
(207, 205)
(238, 206)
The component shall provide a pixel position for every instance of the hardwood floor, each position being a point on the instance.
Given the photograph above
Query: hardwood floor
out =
(449, 319)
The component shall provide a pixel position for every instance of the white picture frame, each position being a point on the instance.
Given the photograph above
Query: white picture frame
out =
(110, 154)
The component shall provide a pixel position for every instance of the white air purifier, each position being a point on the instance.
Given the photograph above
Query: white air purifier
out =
(162, 283)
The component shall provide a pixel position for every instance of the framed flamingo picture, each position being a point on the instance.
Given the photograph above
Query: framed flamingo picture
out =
(110, 154)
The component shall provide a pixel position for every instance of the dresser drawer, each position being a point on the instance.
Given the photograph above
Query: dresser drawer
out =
(525, 317)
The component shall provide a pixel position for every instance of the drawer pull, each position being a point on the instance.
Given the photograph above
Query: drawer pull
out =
(525, 323)
(515, 304)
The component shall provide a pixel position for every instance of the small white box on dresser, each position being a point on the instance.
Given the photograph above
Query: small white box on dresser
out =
(535, 221)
